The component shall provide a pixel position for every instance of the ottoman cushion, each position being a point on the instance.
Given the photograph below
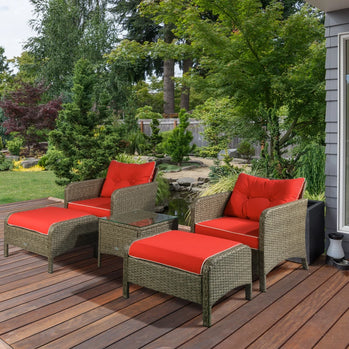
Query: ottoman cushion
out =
(179, 249)
(40, 219)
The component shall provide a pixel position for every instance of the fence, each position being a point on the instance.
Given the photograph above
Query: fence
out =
(195, 127)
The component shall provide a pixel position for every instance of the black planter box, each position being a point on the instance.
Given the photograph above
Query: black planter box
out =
(314, 231)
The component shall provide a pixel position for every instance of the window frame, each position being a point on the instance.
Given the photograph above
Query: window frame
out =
(343, 138)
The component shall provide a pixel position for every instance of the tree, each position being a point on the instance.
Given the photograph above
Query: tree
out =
(216, 114)
(5, 75)
(270, 65)
(178, 142)
(84, 140)
(26, 113)
(68, 30)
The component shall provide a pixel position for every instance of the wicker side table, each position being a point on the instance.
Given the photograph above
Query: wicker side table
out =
(220, 273)
(119, 231)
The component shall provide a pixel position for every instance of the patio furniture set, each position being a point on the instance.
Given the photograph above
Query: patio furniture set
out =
(235, 236)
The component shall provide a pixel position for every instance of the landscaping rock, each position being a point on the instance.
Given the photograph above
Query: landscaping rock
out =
(233, 153)
(29, 162)
(186, 181)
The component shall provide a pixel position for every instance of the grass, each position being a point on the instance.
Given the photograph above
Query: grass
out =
(23, 186)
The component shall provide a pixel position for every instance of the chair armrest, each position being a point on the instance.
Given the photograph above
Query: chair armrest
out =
(208, 207)
(83, 190)
(282, 228)
(136, 197)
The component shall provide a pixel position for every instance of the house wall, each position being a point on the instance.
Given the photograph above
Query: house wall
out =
(335, 23)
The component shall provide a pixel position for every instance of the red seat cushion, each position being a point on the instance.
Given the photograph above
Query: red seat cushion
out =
(233, 228)
(252, 195)
(99, 207)
(41, 219)
(179, 249)
(122, 175)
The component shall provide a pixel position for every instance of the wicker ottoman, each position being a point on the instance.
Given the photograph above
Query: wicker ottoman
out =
(194, 267)
(50, 231)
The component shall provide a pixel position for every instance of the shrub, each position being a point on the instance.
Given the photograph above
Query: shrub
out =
(5, 164)
(14, 145)
(246, 150)
(312, 167)
(178, 143)
(163, 192)
(217, 115)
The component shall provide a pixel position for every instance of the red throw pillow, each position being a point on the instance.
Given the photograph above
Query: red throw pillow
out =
(252, 195)
(122, 175)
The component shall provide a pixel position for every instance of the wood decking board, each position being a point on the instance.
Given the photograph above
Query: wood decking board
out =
(81, 306)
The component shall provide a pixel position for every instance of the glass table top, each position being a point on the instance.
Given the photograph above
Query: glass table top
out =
(140, 218)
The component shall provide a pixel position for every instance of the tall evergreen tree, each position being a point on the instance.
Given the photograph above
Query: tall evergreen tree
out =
(84, 139)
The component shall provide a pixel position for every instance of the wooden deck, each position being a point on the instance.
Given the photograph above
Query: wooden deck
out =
(82, 306)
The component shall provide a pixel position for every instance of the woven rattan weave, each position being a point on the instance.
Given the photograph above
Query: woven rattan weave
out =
(220, 274)
(120, 230)
(61, 237)
(137, 197)
(281, 231)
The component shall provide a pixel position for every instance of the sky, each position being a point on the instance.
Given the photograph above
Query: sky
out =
(14, 25)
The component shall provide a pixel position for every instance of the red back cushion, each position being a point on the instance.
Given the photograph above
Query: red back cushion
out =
(252, 195)
(122, 175)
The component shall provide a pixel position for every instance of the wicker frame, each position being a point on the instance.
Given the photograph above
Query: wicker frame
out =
(114, 236)
(137, 197)
(281, 231)
(62, 237)
(220, 274)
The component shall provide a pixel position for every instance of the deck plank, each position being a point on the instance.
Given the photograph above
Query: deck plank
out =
(81, 306)
(337, 336)
(320, 323)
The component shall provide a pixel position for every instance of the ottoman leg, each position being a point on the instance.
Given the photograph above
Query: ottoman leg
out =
(50, 265)
(5, 250)
(248, 291)
(206, 314)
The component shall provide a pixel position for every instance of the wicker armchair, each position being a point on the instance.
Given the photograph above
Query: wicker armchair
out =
(281, 233)
(122, 200)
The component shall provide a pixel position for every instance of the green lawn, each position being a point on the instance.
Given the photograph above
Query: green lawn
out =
(21, 186)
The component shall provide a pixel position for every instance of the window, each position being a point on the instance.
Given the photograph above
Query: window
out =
(343, 134)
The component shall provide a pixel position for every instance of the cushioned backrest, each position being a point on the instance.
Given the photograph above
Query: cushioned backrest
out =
(122, 175)
(252, 195)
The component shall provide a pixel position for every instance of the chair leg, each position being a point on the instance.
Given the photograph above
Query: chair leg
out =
(98, 259)
(262, 282)
(305, 264)
(125, 289)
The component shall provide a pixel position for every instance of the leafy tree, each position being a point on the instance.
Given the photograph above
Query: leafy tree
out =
(66, 31)
(178, 143)
(26, 113)
(84, 139)
(267, 63)
(5, 74)
(217, 116)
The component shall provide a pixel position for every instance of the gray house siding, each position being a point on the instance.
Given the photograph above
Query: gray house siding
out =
(335, 23)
